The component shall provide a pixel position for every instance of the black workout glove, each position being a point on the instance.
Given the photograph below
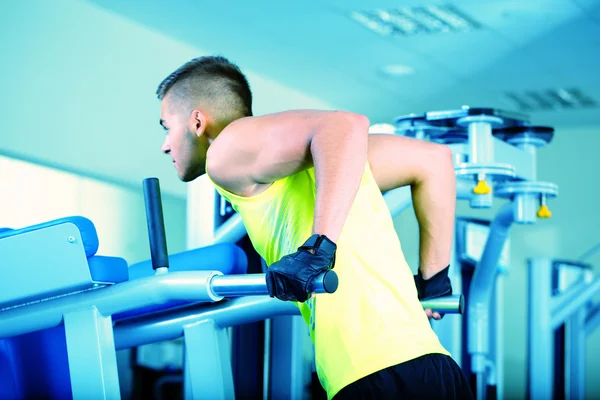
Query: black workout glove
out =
(437, 286)
(291, 277)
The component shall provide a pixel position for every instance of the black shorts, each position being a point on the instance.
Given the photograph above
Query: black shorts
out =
(433, 376)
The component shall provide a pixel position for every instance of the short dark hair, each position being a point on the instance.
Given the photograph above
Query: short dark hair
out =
(213, 78)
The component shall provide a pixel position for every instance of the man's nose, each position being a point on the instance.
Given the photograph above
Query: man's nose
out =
(165, 147)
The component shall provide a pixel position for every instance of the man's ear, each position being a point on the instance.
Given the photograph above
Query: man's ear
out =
(198, 122)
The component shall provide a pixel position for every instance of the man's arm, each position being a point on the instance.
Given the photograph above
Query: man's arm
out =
(253, 152)
(428, 168)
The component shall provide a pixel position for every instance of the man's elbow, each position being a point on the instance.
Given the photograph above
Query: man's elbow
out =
(360, 123)
(353, 127)
(351, 121)
(442, 161)
(445, 154)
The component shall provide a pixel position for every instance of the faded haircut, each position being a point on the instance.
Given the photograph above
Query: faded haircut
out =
(211, 79)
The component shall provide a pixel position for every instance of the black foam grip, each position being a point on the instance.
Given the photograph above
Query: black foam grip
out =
(156, 224)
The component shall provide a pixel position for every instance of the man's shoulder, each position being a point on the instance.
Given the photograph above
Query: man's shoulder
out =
(263, 121)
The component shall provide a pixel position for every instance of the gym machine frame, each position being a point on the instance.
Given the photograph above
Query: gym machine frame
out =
(574, 308)
(494, 154)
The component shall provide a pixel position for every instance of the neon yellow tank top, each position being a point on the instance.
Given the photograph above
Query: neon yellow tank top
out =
(374, 320)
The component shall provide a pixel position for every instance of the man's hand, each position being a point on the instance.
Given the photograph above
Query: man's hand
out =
(437, 286)
(291, 277)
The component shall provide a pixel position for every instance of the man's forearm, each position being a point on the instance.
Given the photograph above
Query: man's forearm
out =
(339, 153)
(434, 202)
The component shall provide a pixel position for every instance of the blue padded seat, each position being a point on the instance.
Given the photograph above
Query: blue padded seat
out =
(35, 366)
(108, 269)
(102, 269)
(8, 384)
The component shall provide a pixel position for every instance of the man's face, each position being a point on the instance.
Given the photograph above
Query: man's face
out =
(186, 149)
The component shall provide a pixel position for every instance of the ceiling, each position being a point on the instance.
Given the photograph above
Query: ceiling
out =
(315, 47)
(294, 52)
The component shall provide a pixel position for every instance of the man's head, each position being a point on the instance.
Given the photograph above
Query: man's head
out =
(199, 99)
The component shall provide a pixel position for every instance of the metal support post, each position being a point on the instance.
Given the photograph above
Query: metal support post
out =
(92, 355)
(540, 362)
(208, 372)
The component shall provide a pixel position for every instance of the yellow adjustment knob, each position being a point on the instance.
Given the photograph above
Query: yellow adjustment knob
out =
(544, 212)
(482, 188)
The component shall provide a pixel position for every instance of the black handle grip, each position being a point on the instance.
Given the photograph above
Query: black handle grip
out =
(156, 224)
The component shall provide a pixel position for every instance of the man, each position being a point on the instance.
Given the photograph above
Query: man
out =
(308, 185)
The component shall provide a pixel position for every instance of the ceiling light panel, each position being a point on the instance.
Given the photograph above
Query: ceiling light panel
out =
(551, 99)
(409, 21)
